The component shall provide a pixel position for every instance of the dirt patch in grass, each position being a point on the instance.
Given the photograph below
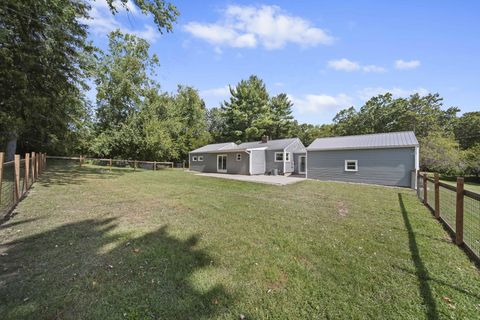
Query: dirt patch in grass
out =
(342, 209)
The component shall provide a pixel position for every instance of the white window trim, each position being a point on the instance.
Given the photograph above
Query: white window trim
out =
(236, 157)
(195, 158)
(275, 158)
(351, 170)
(200, 158)
(221, 155)
(299, 162)
(289, 156)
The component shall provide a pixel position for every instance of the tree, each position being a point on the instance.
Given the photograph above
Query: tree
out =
(44, 60)
(439, 153)
(281, 117)
(471, 160)
(247, 113)
(123, 78)
(467, 129)
(42, 71)
(216, 124)
(383, 113)
(309, 132)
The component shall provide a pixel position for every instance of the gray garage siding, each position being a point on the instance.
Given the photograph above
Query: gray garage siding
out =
(209, 163)
(258, 161)
(390, 167)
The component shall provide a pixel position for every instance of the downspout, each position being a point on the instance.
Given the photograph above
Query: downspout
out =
(283, 161)
(249, 161)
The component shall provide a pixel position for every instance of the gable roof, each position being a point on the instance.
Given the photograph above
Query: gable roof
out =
(278, 144)
(216, 147)
(368, 141)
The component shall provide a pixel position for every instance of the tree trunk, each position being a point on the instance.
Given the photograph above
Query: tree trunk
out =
(11, 147)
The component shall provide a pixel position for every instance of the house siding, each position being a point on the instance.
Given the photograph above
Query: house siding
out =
(270, 161)
(258, 162)
(391, 167)
(209, 163)
(296, 147)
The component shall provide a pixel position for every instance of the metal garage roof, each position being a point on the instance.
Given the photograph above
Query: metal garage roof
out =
(367, 141)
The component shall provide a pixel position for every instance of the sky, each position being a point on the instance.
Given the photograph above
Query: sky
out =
(326, 55)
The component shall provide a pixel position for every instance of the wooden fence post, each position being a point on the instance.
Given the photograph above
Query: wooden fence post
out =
(80, 162)
(16, 187)
(134, 165)
(26, 179)
(34, 172)
(437, 196)
(459, 212)
(110, 164)
(425, 189)
(154, 165)
(37, 173)
(2, 157)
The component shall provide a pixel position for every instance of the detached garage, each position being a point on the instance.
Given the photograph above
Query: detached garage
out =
(386, 159)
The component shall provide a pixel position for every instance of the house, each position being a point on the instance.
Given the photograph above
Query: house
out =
(385, 159)
(282, 156)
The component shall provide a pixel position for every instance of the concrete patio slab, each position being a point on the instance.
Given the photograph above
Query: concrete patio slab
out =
(275, 180)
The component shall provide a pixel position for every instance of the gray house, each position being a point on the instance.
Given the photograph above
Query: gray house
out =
(385, 159)
(283, 156)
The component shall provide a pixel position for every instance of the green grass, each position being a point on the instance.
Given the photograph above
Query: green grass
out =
(472, 186)
(90, 244)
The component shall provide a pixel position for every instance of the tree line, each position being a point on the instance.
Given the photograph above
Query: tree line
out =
(45, 71)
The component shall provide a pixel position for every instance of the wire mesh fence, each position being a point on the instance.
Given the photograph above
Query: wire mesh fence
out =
(462, 218)
(448, 204)
(114, 163)
(471, 220)
(16, 177)
(7, 200)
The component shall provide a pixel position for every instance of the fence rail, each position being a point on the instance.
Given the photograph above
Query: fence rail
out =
(17, 177)
(108, 162)
(458, 209)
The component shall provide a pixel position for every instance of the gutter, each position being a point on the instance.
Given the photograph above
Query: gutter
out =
(363, 148)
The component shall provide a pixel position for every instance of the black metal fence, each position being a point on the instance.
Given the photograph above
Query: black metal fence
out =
(457, 208)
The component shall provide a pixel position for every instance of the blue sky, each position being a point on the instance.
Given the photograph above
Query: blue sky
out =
(326, 55)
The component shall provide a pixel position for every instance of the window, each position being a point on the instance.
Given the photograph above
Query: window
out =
(351, 165)
(194, 158)
(287, 157)
(278, 156)
(239, 157)
(200, 158)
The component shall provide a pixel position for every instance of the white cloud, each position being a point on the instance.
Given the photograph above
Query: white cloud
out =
(397, 92)
(343, 65)
(102, 21)
(250, 26)
(321, 103)
(404, 65)
(349, 66)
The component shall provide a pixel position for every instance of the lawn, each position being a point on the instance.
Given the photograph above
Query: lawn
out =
(91, 244)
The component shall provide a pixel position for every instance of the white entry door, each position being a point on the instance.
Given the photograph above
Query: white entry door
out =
(222, 163)
(302, 164)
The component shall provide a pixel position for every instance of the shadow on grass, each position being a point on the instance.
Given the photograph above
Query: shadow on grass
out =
(64, 173)
(420, 270)
(84, 271)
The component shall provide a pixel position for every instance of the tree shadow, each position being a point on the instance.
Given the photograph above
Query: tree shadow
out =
(420, 270)
(64, 173)
(84, 270)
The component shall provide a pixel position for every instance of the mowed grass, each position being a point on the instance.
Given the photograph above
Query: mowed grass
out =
(91, 244)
